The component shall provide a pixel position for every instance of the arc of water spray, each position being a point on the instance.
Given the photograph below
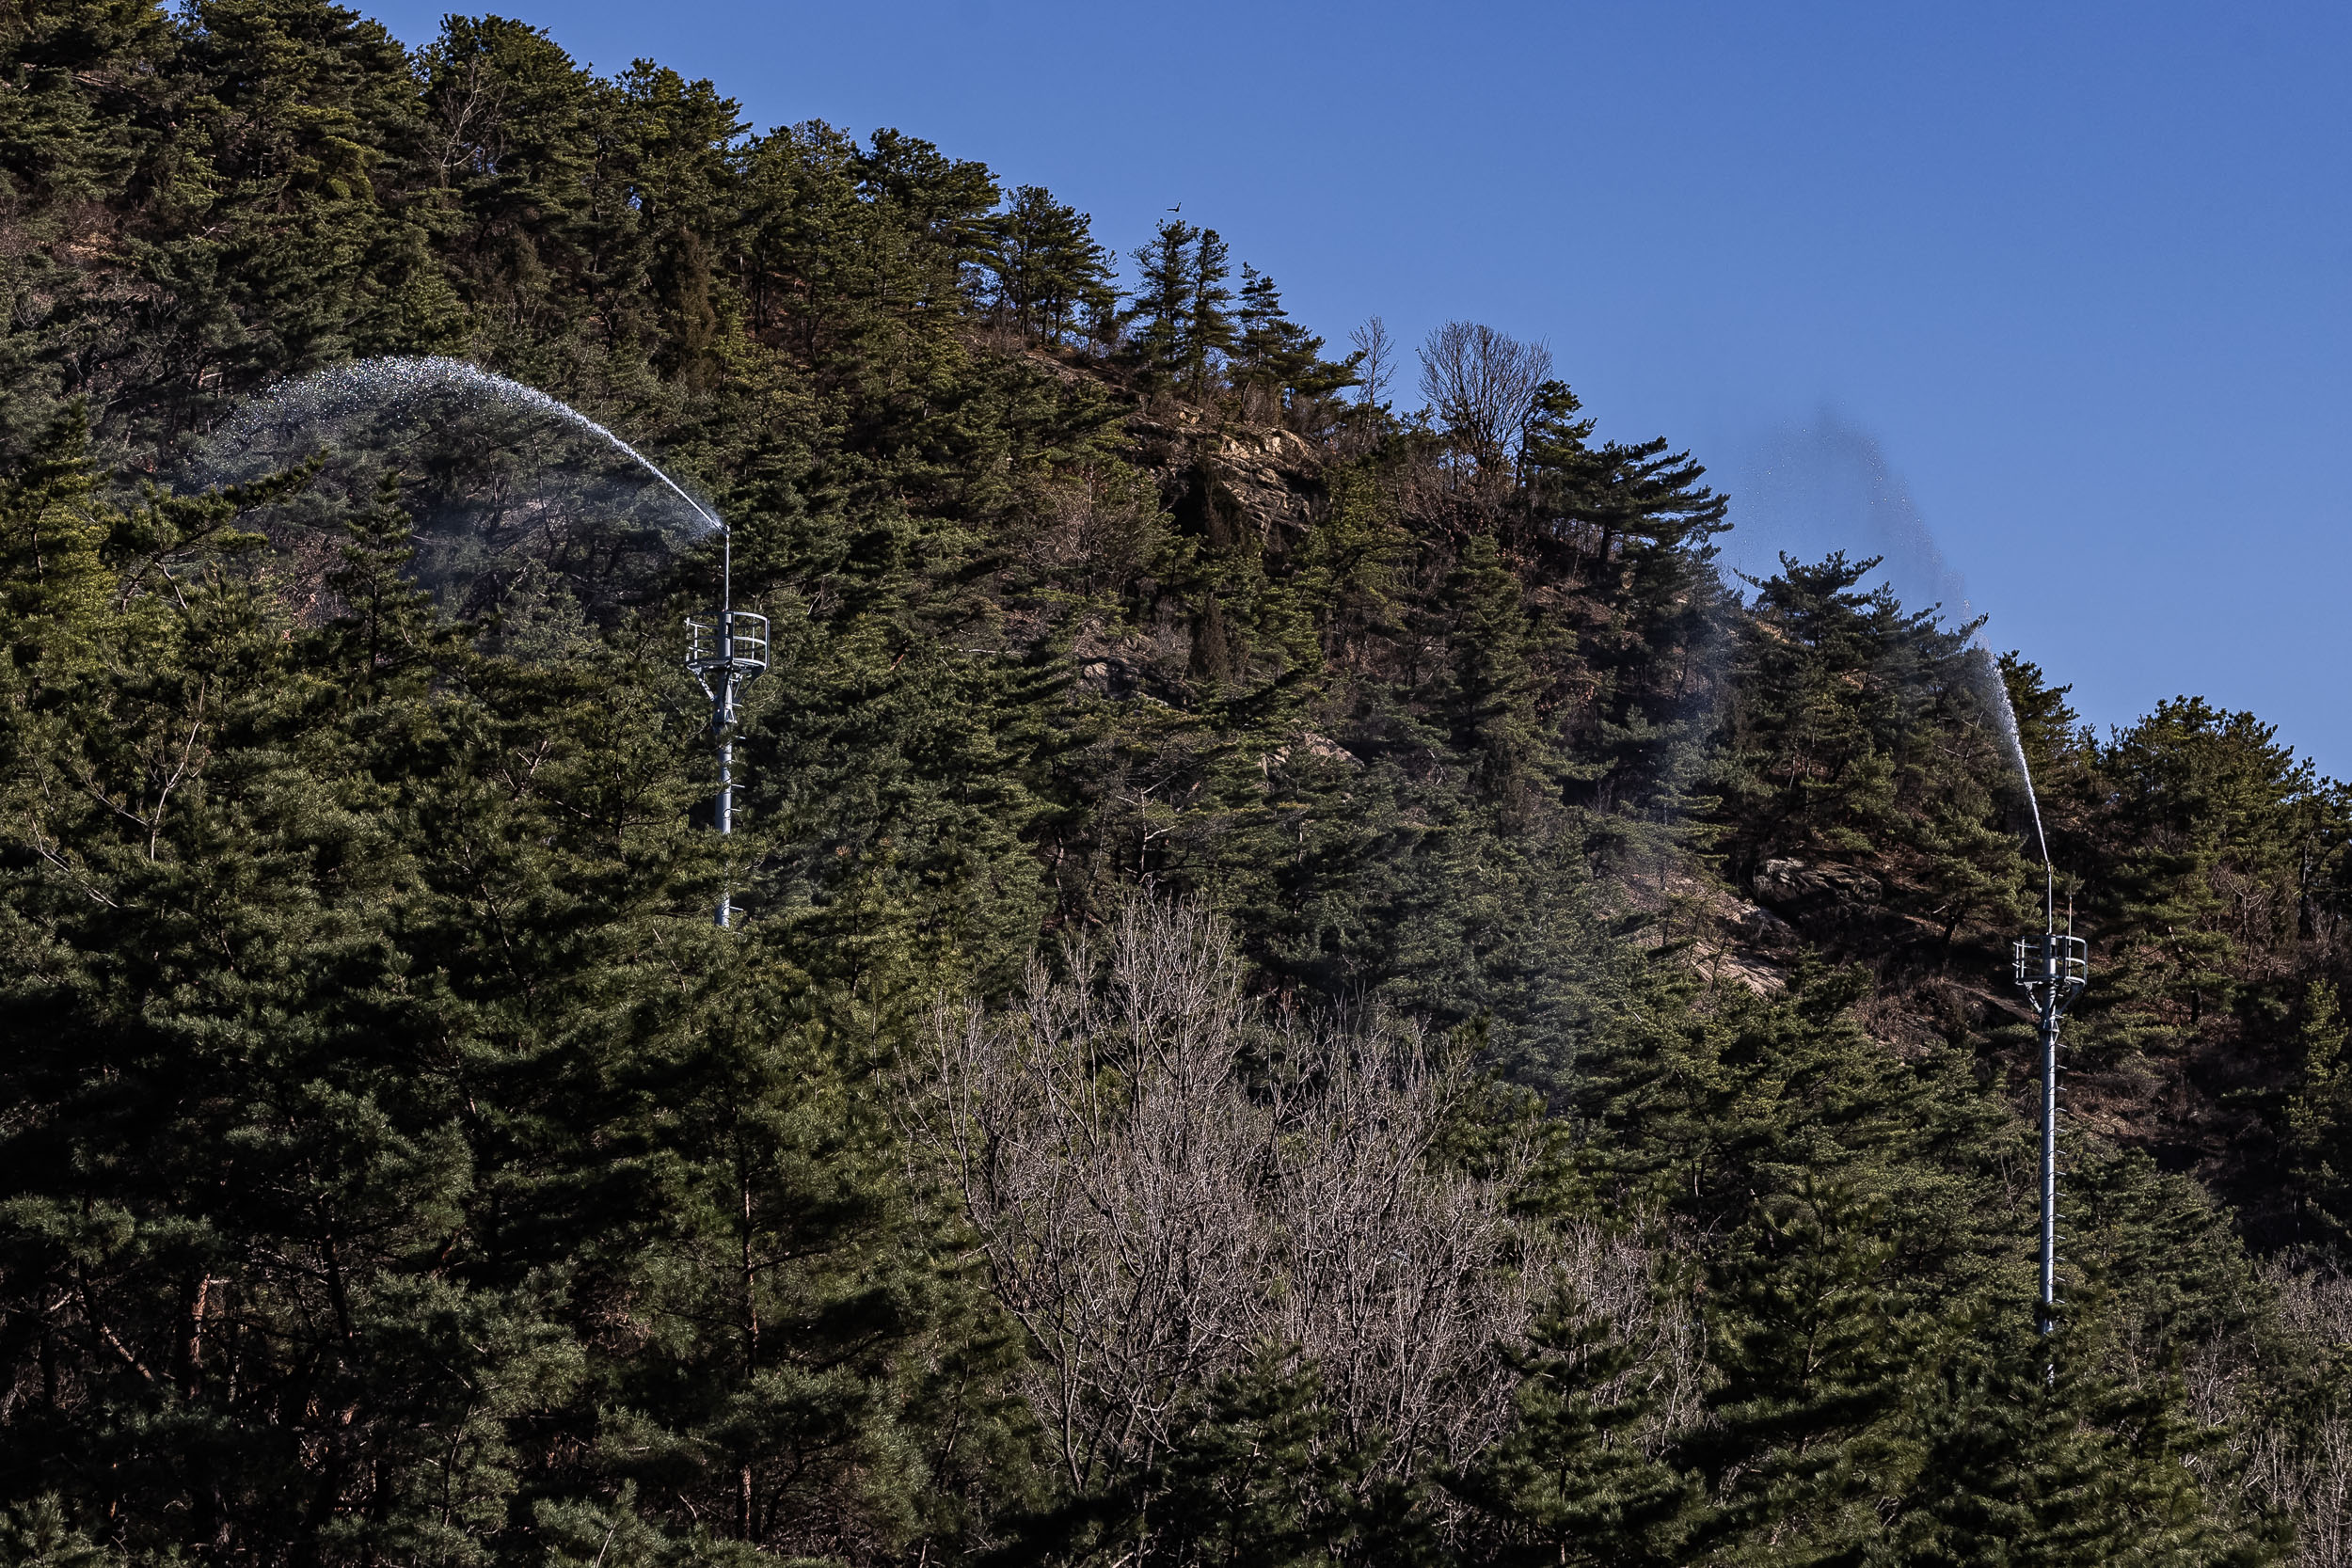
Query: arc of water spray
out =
(1833, 462)
(2007, 712)
(391, 381)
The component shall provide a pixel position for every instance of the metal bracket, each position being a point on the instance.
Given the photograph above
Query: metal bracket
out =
(726, 655)
(2053, 969)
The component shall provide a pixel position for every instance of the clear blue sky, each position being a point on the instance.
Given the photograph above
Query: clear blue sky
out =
(2068, 282)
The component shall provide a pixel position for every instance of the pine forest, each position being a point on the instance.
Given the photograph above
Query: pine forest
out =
(1311, 978)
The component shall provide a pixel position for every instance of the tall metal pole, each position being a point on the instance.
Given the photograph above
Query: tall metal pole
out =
(2052, 969)
(2049, 1150)
(724, 657)
(723, 711)
(726, 819)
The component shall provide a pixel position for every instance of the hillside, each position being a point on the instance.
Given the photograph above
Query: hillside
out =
(1316, 982)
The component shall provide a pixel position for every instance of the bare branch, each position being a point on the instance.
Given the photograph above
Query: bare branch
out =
(1154, 1216)
(1482, 387)
(1373, 341)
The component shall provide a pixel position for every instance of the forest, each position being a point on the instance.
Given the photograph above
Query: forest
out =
(1314, 981)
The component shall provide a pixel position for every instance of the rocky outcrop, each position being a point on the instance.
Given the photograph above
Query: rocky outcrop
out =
(1230, 484)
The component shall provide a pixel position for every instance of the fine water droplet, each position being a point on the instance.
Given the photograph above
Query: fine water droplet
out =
(388, 383)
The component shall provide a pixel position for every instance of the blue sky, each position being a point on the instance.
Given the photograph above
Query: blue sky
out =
(2068, 282)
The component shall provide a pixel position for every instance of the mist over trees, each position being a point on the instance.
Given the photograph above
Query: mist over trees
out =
(1315, 985)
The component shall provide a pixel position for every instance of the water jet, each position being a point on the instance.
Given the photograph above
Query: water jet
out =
(2052, 969)
(388, 383)
(1822, 484)
(725, 653)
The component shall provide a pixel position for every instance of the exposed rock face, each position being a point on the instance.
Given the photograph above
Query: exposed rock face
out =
(1810, 888)
(1232, 484)
(1308, 743)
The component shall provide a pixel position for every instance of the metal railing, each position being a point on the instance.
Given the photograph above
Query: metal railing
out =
(727, 653)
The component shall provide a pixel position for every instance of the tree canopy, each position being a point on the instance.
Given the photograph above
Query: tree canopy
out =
(1316, 982)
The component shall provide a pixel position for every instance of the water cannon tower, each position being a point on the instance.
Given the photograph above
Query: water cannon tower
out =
(2052, 968)
(726, 654)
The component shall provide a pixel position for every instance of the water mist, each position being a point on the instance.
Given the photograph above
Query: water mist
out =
(1828, 486)
(385, 385)
(724, 655)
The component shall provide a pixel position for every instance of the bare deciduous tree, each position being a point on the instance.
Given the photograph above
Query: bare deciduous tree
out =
(1154, 1216)
(1373, 341)
(2307, 1475)
(1481, 384)
(1110, 1162)
(1400, 1281)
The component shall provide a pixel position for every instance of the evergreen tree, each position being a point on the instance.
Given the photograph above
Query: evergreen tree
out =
(2319, 1117)
(1575, 1479)
(1207, 330)
(1275, 359)
(2205, 799)
(1051, 277)
(1162, 292)
(1491, 700)
(1635, 524)
(1185, 329)
(402, 1166)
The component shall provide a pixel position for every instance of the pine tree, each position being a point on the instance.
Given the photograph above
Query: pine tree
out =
(2027, 1455)
(1274, 358)
(1574, 1480)
(2319, 1118)
(386, 625)
(51, 545)
(1181, 304)
(1162, 302)
(1815, 1345)
(2202, 799)
(1491, 700)
(512, 171)
(1207, 328)
(1051, 277)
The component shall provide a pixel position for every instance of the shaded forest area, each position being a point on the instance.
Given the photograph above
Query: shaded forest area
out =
(1316, 984)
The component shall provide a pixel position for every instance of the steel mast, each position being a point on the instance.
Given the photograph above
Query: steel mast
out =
(2052, 968)
(726, 654)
